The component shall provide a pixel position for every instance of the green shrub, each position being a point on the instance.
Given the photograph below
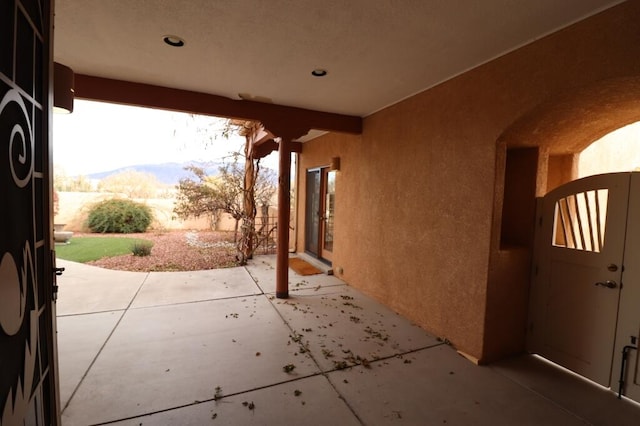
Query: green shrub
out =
(119, 216)
(142, 248)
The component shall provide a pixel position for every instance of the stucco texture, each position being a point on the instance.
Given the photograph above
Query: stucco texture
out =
(419, 193)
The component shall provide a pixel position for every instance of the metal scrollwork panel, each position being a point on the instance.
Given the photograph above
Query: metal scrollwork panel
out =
(21, 367)
(25, 386)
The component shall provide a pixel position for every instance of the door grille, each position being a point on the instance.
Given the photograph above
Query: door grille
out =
(579, 221)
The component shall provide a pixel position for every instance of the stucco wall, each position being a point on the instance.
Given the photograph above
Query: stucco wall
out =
(74, 209)
(419, 193)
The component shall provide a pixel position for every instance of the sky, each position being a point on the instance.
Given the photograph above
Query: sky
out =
(99, 137)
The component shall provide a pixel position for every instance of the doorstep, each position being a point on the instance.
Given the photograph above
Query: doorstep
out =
(325, 268)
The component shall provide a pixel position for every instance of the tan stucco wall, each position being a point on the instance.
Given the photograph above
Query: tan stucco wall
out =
(419, 193)
(74, 209)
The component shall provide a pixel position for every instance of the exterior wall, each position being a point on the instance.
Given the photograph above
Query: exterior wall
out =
(419, 193)
(561, 169)
(319, 155)
(75, 206)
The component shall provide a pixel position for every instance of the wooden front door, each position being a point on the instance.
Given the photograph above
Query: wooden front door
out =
(28, 376)
(581, 277)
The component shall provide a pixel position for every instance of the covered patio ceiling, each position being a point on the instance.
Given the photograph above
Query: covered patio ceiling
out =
(375, 53)
(295, 66)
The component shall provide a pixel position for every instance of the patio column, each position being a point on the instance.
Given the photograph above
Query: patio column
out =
(284, 209)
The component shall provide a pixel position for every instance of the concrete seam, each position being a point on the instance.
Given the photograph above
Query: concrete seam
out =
(75, 390)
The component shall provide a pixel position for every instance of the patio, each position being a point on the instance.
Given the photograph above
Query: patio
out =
(216, 347)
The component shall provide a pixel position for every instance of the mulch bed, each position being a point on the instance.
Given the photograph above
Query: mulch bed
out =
(175, 251)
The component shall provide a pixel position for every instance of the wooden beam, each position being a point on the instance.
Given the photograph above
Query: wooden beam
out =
(267, 147)
(296, 147)
(264, 149)
(262, 136)
(146, 95)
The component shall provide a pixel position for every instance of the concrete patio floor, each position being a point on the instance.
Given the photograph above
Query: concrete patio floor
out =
(212, 347)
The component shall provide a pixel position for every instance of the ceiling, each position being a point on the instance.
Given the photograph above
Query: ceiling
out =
(375, 52)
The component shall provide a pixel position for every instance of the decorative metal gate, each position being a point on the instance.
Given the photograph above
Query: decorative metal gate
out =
(28, 389)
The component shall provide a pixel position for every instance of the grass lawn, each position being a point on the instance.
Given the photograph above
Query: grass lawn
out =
(86, 249)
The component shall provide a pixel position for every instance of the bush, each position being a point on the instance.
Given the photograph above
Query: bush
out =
(119, 216)
(142, 248)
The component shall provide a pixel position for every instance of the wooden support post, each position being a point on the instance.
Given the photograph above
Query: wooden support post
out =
(284, 208)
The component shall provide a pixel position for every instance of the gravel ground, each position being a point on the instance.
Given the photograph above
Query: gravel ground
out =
(176, 251)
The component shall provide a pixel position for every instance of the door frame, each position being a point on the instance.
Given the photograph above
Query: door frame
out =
(312, 211)
(317, 212)
(327, 207)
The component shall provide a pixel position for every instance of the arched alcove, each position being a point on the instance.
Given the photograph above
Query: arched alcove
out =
(535, 154)
(539, 151)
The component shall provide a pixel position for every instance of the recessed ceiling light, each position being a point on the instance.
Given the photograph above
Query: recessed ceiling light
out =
(173, 40)
(319, 72)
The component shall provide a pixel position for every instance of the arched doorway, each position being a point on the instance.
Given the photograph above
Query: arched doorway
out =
(585, 285)
(537, 154)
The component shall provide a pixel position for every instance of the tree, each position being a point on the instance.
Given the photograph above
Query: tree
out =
(131, 183)
(234, 191)
(258, 189)
(211, 195)
(64, 183)
(197, 198)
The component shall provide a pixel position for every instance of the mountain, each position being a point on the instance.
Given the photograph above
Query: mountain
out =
(167, 173)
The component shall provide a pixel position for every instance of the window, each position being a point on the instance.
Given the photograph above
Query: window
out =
(580, 219)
